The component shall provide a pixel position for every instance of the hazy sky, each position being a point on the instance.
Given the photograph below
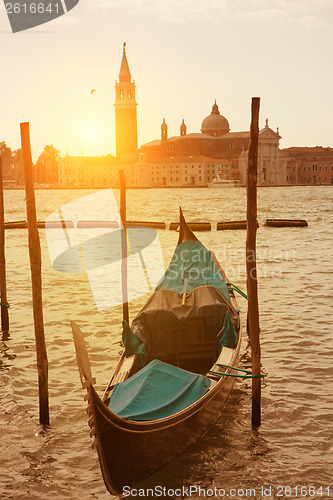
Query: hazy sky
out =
(183, 54)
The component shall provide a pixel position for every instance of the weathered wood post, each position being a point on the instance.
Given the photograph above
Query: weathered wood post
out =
(36, 277)
(3, 284)
(123, 244)
(251, 269)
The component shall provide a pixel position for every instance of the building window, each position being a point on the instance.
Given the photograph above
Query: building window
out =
(185, 178)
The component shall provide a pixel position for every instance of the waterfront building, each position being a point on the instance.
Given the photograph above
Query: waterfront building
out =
(306, 165)
(87, 171)
(183, 171)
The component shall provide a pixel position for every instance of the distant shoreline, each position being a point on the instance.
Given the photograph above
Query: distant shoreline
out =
(11, 188)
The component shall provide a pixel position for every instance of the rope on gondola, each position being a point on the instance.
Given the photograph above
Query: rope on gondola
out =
(233, 368)
(5, 305)
(248, 372)
(235, 375)
(235, 288)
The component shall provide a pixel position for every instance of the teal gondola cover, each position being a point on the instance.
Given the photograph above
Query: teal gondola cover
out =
(164, 309)
(157, 391)
(133, 345)
(192, 265)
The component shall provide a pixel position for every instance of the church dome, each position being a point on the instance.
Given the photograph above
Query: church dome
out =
(215, 124)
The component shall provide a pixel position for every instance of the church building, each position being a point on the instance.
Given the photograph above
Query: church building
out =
(215, 150)
(184, 160)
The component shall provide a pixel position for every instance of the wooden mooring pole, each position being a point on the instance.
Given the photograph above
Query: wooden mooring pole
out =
(3, 284)
(36, 277)
(123, 245)
(251, 269)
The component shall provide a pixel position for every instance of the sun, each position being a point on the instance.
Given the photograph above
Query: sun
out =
(91, 132)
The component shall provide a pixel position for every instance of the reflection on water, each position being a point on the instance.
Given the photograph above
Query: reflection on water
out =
(5, 355)
(293, 447)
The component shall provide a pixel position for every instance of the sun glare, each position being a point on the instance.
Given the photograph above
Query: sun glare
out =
(91, 133)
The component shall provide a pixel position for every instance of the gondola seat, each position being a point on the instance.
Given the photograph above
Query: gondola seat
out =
(193, 345)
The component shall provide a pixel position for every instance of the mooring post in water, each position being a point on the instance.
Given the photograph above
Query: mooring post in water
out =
(123, 244)
(3, 284)
(251, 269)
(36, 276)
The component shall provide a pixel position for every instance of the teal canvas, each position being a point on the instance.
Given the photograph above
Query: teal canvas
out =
(157, 391)
(192, 265)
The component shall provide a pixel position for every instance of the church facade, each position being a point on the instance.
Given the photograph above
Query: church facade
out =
(216, 150)
(184, 160)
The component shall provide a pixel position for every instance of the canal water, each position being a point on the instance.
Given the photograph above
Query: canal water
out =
(290, 456)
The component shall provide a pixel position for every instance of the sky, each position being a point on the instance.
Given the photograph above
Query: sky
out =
(183, 54)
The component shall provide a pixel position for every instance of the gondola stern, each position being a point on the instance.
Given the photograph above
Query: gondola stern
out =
(104, 425)
(82, 357)
(100, 419)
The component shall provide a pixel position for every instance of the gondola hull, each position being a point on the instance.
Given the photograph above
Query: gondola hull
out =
(129, 451)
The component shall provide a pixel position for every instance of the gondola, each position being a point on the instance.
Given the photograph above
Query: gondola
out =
(175, 374)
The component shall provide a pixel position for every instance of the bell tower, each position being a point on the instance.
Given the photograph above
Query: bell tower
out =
(183, 128)
(164, 131)
(125, 106)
